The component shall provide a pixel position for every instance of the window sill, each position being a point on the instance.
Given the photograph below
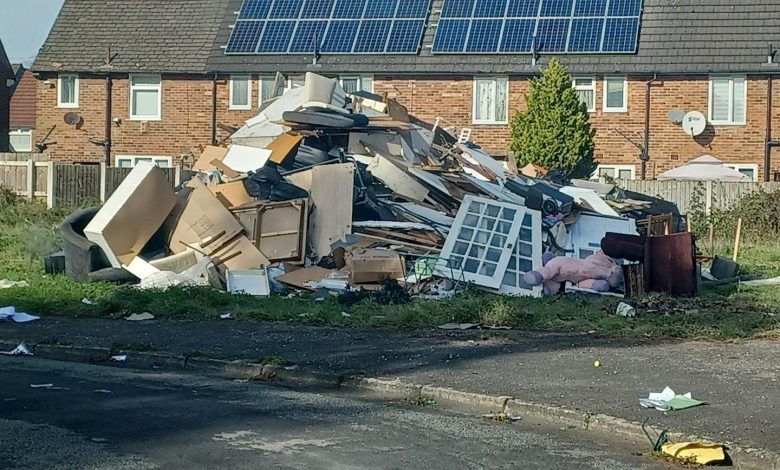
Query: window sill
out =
(490, 123)
(727, 124)
(240, 108)
(615, 110)
(144, 118)
(68, 106)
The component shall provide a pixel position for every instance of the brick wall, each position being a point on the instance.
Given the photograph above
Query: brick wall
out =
(186, 118)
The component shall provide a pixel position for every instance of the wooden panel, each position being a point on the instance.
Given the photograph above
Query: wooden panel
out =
(76, 185)
(331, 194)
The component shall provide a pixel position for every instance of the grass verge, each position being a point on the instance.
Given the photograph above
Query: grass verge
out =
(28, 232)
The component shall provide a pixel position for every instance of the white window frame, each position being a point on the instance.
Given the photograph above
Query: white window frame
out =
(617, 109)
(745, 166)
(22, 133)
(474, 119)
(361, 79)
(157, 87)
(730, 121)
(248, 105)
(260, 80)
(591, 87)
(597, 174)
(156, 159)
(289, 82)
(60, 103)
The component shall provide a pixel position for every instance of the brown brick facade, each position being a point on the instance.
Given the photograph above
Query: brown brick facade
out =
(186, 118)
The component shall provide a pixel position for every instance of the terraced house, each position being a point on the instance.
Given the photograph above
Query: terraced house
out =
(123, 81)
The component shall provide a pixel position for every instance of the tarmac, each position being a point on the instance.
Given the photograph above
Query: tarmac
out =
(547, 376)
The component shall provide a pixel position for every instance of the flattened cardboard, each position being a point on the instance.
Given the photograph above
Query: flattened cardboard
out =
(300, 277)
(331, 194)
(231, 194)
(370, 265)
(132, 214)
(210, 153)
(280, 232)
(284, 146)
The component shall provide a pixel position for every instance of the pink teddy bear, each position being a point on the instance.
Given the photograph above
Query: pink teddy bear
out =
(597, 272)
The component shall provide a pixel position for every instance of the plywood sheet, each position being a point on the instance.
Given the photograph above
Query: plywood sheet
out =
(281, 228)
(302, 179)
(397, 179)
(300, 277)
(231, 194)
(331, 195)
(209, 154)
(284, 146)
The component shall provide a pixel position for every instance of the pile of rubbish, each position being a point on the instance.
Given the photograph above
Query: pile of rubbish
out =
(329, 191)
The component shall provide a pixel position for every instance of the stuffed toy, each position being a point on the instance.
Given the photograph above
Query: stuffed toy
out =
(597, 272)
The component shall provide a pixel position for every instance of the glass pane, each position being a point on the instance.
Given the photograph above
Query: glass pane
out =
(350, 85)
(20, 142)
(615, 93)
(607, 171)
(240, 91)
(501, 92)
(471, 265)
(142, 159)
(720, 99)
(146, 80)
(460, 248)
(508, 214)
(466, 234)
(751, 173)
(493, 255)
(475, 207)
(583, 82)
(124, 163)
(624, 174)
(482, 237)
(296, 82)
(162, 162)
(470, 220)
(145, 103)
(367, 84)
(587, 97)
(739, 100)
(487, 269)
(68, 90)
(484, 95)
(266, 89)
(492, 211)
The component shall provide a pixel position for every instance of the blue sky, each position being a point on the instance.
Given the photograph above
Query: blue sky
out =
(24, 25)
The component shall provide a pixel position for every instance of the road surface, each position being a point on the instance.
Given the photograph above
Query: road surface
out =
(94, 417)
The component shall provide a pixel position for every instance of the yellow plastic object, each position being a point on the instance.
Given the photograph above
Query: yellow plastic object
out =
(702, 454)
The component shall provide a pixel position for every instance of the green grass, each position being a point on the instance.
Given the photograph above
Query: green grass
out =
(28, 232)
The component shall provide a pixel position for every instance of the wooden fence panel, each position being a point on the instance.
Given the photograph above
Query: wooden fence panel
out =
(723, 195)
(22, 157)
(114, 177)
(75, 185)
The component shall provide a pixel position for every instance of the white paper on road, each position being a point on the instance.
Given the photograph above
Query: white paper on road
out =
(666, 395)
(119, 358)
(10, 314)
(140, 316)
(21, 350)
(41, 385)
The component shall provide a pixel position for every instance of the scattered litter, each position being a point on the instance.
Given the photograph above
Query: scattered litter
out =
(9, 284)
(21, 350)
(345, 314)
(41, 385)
(118, 358)
(772, 281)
(102, 390)
(10, 314)
(502, 417)
(700, 453)
(596, 363)
(225, 316)
(458, 326)
(668, 400)
(140, 316)
(99, 439)
(625, 310)
(86, 301)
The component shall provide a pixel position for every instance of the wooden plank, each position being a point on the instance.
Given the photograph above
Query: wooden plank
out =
(331, 194)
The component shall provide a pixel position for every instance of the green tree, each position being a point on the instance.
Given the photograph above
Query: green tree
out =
(554, 130)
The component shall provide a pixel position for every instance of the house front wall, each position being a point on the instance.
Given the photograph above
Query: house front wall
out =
(185, 122)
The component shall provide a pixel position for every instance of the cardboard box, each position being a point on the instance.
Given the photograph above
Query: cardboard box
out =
(370, 265)
(132, 214)
(209, 154)
(231, 194)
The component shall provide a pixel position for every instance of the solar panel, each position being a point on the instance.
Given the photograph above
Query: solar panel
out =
(551, 26)
(330, 26)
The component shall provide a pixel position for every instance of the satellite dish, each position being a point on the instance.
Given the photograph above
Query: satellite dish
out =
(74, 119)
(675, 115)
(693, 123)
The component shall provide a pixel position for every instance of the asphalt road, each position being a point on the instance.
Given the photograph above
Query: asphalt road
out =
(96, 417)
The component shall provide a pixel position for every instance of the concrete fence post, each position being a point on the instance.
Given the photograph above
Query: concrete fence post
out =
(31, 179)
(50, 185)
(103, 181)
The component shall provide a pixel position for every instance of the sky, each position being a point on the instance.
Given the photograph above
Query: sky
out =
(24, 25)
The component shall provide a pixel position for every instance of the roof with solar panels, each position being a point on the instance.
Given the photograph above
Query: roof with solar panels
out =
(418, 37)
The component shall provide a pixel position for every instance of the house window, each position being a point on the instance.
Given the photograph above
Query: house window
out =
(748, 169)
(586, 91)
(21, 140)
(145, 97)
(615, 172)
(490, 100)
(727, 100)
(352, 84)
(296, 81)
(240, 92)
(68, 91)
(129, 161)
(266, 88)
(615, 94)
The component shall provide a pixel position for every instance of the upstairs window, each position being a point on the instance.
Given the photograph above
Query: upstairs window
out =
(727, 100)
(357, 83)
(145, 97)
(490, 100)
(615, 94)
(266, 88)
(240, 92)
(68, 91)
(586, 91)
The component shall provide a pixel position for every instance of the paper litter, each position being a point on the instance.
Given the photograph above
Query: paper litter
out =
(140, 316)
(10, 314)
(21, 350)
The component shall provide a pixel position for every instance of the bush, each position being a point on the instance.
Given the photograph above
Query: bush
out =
(759, 210)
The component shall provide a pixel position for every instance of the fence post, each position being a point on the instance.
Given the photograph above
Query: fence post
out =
(50, 185)
(30, 179)
(177, 176)
(708, 199)
(103, 182)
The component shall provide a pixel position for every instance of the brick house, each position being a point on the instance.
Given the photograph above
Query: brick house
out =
(7, 81)
(175, 87)
(22, 114)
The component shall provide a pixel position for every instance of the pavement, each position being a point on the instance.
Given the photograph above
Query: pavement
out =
(96, 417)
(738, 380)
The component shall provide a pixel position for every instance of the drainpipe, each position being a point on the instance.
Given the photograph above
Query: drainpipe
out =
(645, 156)
(214, 110)
(107, 132)
(769, 143)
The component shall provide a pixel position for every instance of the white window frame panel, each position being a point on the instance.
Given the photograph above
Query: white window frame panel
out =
(518, 286)
(294, 78)
(264, 79)
(497, 79)
(362, 81)
(618, 109)
(730, 121)
(22, 133)
(471, 208)
(134, 159)
(157, 87)
(241, 107)
(60, 103)
(591, 88)
(618, 168)
(745, 166)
